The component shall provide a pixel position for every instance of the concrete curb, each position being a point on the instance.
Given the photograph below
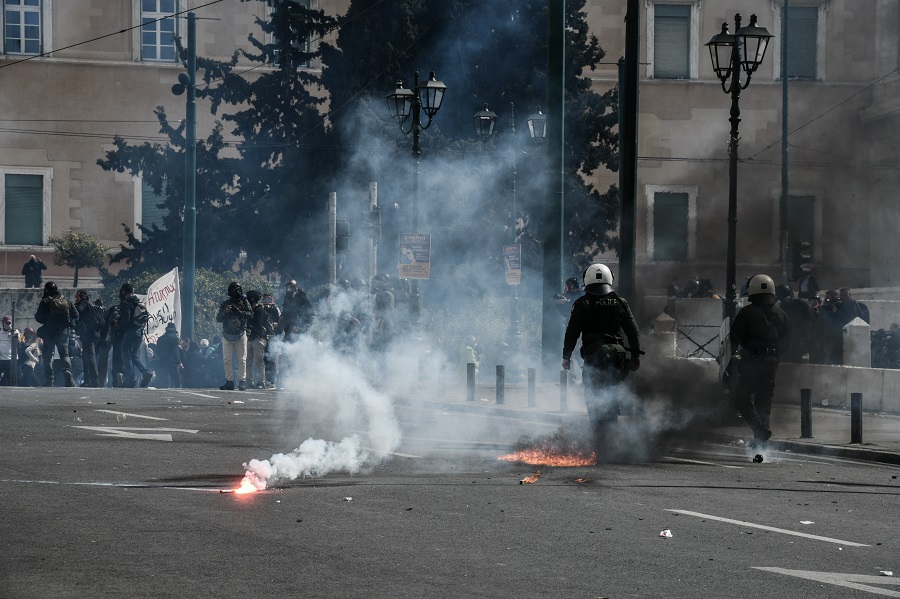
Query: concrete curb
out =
(854, 452)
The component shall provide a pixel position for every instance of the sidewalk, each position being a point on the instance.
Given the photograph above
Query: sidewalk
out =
(831, 426)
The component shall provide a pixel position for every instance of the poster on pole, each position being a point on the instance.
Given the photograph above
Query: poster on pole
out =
(163, 302)
(512, 263)
(415, 256)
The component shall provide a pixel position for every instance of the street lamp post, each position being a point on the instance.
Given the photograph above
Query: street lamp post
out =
(730, 54)
(537, 127)
(404, 103)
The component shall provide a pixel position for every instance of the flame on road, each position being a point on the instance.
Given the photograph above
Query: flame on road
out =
(530, 479)
(544, 456)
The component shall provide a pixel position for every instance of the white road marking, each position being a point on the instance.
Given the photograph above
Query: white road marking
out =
(200, 394)
(132, 415)
(702, 463)
(770, 528)
(850, 581)
(125, 432)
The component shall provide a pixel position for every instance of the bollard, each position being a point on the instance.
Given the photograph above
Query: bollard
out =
(470, 381)
(501, 383)
(806, 414)
(532, 394)
(563, 390)
(442, 382)
(856, 418)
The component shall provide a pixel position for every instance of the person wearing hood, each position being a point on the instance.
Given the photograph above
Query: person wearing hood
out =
(599, 318)
(132, 319)
(762, 332)
(57, 315)
(234, 314)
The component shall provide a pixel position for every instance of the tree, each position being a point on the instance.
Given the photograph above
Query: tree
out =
(493, 53)
(267, 201)
(78, 249)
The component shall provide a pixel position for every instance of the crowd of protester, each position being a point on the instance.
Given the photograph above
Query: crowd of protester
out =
(85, 343)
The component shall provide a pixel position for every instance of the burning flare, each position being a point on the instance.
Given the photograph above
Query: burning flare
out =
(250, 485)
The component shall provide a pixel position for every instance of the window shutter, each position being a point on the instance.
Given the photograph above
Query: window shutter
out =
(670, 226)
(803, 25)
(24, 209)
(151, 213)
(672, 41)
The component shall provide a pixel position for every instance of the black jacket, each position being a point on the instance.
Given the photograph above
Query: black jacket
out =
(54, 323)
(600, 319)
(234, 314)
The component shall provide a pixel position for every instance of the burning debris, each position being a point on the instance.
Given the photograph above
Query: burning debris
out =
(529, 480)
(556, 450)
(582, 481)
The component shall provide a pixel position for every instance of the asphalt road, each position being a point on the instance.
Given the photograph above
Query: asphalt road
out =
(117, 493)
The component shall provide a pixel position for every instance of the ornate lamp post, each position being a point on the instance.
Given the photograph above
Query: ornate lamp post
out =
(731, 54)
(403, 103)
(537, 127)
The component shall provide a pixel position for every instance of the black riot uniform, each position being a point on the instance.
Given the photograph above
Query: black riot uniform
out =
(599, 318)
(763, 332)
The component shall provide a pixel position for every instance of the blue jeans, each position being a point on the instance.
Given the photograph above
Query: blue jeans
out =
(60, 341)
(131, 358)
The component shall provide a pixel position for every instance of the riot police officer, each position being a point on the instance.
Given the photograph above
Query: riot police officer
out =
(599, 317)
(763, 332)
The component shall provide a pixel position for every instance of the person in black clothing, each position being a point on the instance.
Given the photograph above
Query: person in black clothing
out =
(90, 322)
(296, 312)
(803, 325)
(170, 359)
(234, 314)
(32, 271)
(598, 318)
(849, 308)
(130, 325)
(274, 314)
(763, 333)
(258, 331)
(56, 315)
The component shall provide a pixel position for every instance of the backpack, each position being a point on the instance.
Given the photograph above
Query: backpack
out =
(59, 308)
(140, 316)
(90, 321)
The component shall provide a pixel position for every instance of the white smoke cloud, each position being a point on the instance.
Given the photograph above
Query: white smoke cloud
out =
(333, 395)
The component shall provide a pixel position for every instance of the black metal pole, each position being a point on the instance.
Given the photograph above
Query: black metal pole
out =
(190, 183)
(856, 424)
(470, 381)
(628, 144)
(806, 413)
(415, 303)
(501, 384)
(730, 306)
(783, 205)
(563, 390)
(532, 391)
(551, 322)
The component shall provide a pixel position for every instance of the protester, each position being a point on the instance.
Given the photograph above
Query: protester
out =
(57, 315)
(169, 359)
(32, 272)
(132, 319)
(31, 357)
(234, 313)
(88, 328)
(7, 338)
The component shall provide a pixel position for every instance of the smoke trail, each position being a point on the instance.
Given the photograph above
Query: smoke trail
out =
(330, 390)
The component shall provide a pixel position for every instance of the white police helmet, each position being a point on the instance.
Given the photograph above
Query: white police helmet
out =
(598, 274)
(760, 285)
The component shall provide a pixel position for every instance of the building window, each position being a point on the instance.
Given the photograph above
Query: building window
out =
(158, 29)
(803, 32)
(671, 222)
(25, 205)
(22, 26)
(304, 45)
(151, 211)
(672, 41)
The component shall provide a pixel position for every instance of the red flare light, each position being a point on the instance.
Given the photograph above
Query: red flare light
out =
(247, 486)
